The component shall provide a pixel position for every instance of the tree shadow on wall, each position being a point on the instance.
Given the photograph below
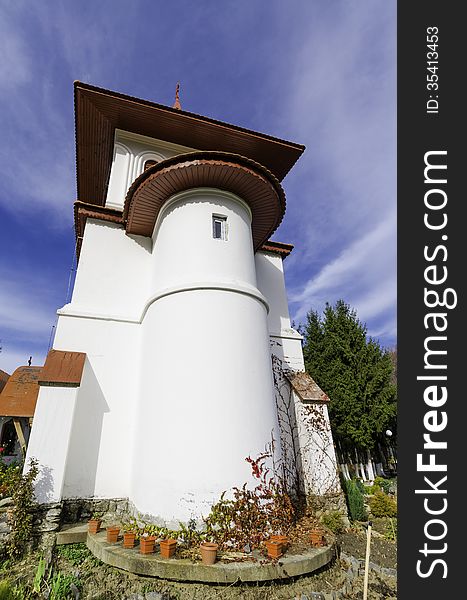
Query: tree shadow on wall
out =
(85, 440)
(44, 485)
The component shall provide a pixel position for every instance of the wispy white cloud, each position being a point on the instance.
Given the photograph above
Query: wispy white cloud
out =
(27, 315)
(15, 66)
(23, 312)
(344, 103)
(36, 150)
(332, 78)
(386, 330)
(342, 194)
(363, 274)
(45, 51)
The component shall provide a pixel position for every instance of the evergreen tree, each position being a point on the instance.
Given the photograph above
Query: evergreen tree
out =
(354, 371)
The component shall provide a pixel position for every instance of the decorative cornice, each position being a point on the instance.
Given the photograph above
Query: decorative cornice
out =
(227, 286)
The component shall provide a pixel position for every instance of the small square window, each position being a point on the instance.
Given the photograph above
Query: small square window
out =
(219, 227)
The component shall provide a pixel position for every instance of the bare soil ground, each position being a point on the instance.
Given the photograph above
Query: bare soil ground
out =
(382, 552)
(101, 582)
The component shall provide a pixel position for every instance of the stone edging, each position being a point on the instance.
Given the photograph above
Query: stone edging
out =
(187, 570)
(353, 572)
(357, 565)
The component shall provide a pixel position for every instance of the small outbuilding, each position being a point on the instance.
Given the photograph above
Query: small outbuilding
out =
(17, 405)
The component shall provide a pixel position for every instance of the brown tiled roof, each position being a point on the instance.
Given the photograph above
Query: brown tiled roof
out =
(19, 396)
(237, 174)
(98, 112)
(3, 379)
(277, 248)
(63, 368)
(306, 387)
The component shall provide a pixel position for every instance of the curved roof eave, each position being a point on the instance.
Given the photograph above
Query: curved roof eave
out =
(254, 183)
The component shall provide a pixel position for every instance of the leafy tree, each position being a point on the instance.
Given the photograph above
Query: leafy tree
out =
(393, 355)
(354, 371)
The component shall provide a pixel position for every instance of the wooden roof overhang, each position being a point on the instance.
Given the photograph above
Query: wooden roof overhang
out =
(247, 179)
(98, 112)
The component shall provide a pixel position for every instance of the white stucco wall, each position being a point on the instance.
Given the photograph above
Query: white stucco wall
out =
(102, 436)
(50, 440)
(318, 456)
(206, 399)
(286, 342)
(185, 250)
(112, 278)
(308, 452)
(178, 382)
(103, 320)
(270, 276)
(178, 331)
(131, 151)
(307, 446)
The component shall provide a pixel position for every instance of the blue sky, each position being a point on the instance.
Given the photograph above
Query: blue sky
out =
(318, 72)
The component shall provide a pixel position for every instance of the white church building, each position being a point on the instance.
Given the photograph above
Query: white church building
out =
(175, 358)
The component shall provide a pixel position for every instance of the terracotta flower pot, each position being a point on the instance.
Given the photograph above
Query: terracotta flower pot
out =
(168, 548)
(317, 538)
(274, 548)
(129, 539)
(208, 553)
(112, 534)
(94, 525)
(146, 544)
(282, 539)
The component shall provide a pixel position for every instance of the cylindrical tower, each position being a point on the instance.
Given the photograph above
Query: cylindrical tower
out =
(206, 398)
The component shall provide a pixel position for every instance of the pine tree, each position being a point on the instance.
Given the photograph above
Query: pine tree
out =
(354, 371)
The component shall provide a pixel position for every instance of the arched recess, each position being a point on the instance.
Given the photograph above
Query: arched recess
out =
(141, 159)
(119, 181)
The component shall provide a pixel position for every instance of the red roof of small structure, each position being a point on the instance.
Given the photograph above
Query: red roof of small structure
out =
(307, 388)
(19, 396)
(62, 368)
(3, 379)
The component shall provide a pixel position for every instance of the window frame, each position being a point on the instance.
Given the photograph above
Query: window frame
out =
(224, 228)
